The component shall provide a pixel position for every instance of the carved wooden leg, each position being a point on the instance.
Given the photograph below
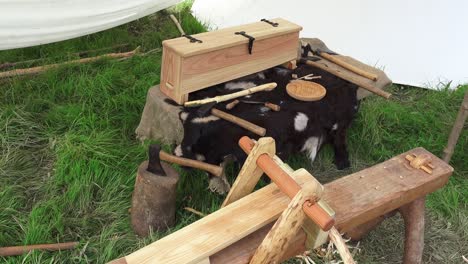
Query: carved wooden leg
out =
(413, 216)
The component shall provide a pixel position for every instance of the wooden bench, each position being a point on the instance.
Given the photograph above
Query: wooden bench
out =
(233, 233)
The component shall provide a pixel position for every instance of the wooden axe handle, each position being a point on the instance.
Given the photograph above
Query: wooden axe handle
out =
(348, 66)
(213, 169)
(288, 186)
(240, 122)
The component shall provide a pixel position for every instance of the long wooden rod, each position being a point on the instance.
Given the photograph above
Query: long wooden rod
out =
(348, 66)
(456, 130)
(19, 250)
(240, 122)
(342, 75)
(288, 186)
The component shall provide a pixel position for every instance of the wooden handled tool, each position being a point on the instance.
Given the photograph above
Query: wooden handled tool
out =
(347, 66)
(227, 97)
(19, 250)
(362, 84)
(240, 122)
(154, 164)
(288, 186)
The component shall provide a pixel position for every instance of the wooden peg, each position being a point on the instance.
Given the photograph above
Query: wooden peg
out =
(420, 162)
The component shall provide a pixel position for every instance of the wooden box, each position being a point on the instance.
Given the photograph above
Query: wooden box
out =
(223, 55)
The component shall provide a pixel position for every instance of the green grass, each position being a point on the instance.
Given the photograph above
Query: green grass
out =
(69, 154)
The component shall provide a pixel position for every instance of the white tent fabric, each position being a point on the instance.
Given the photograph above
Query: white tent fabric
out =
(26, 23)
(418, 42)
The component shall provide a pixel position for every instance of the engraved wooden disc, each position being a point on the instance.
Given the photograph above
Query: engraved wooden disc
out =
(305, 90)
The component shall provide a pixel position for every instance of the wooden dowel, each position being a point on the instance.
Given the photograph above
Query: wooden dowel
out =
(273, 107)
(232, 104)
(348, 66)
(456, 130)
(340, 74)
(240, 122)
(19, 250)
(288, 186)
(340, 245)
(39, 69)
(213, 169)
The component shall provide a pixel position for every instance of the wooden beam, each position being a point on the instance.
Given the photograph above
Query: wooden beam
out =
(357, 199)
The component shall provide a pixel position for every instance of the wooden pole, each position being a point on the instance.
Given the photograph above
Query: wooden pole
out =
(19, 250)
(39, 69)
(413, 216)
(456, 130)
(176, 22)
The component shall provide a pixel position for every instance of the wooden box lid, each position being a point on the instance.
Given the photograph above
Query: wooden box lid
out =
(224, 38)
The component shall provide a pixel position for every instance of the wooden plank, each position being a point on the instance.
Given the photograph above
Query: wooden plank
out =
(225, 38)
(219, 66)
(218, 230)
(357, 199)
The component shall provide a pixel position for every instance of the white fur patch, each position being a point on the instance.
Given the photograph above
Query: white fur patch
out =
(200, 157)
(282, 71)
(239, 85)
(335, 126)
(178, 151)
(183, 116)
(355, 107)
(204, 120)
(261, 75)
(300, 121)
(311, 146)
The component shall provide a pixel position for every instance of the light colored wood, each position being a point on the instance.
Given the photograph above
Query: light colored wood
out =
(222, 98)
(356, 201)
(170, 75)
(19, 250)
(223, 56)
(420, 162)
(340, 245)
(305, 90)
(341, 73)
(232, 104)
(213, 169)
(205, 261)
(413, 216)
(456, 130)
(240, 122)
(39, 69)
(348, 66)
(176, 22)
(224, 38)
(250, 173)
(218, 230)
(287, 185)
(276, 241)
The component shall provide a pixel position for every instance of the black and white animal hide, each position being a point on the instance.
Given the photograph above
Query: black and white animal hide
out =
(299, 126)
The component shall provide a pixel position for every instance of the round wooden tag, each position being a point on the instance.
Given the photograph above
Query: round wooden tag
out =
(305, 90)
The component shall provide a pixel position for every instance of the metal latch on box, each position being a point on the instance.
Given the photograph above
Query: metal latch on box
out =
(251, 39)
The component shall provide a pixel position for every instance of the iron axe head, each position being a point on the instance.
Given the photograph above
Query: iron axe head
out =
(154, 162)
